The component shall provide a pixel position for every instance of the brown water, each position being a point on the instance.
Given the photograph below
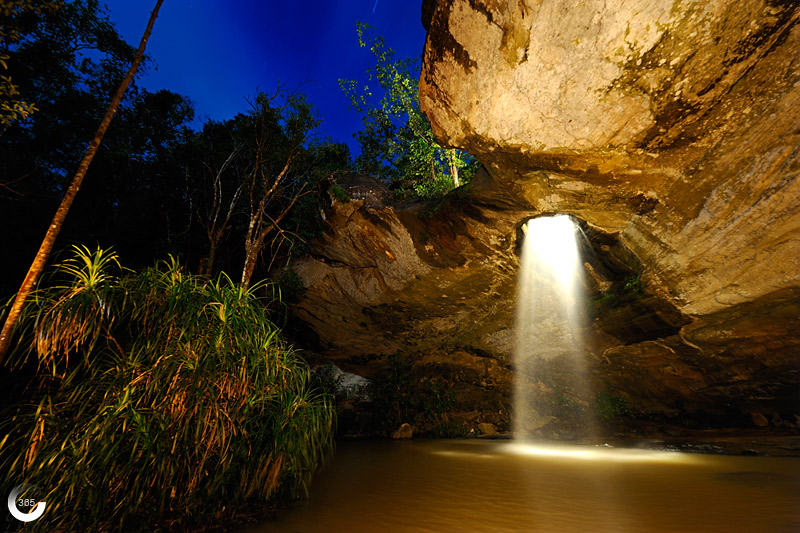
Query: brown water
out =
(496, 486)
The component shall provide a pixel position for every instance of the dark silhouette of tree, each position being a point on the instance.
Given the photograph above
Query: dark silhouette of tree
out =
(225, 180)
(58, 220)
(69, 63)
(12, 15)
(257, 183)
(281, 125)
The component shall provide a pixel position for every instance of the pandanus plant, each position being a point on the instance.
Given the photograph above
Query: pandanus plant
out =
(160, 397)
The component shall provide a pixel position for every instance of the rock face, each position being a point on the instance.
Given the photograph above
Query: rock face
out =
(365, 254)
(675, 123)
(671, 130)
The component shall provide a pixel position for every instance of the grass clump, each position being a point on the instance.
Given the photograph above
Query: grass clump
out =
(160, 399)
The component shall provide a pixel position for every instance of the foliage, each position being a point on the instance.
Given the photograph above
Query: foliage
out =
(398, 396)
(11, 107)
(608, 406)
(152, 187)
(326, 378)
(563, 406)
(633, 286)
(618, 294)
(70, 63)
(259, 179)
(280, 126)
(162, 397)
(391, 393)
(12, 14)
(291, 285)
(436, 401)
(339, 194)
(397, 141)
(155, 186)
(325, 161)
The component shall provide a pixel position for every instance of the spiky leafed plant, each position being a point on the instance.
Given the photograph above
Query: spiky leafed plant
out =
(167, 398)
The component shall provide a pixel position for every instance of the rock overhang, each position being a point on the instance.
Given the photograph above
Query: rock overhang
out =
(690, 185)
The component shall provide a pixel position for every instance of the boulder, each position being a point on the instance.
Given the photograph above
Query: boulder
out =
(405, 431)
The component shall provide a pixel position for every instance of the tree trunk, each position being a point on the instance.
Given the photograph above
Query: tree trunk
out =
(58, 220)
(254, 246)
(453, 168)
(250, 250)
(212, 255)
(249, 266)
(454, 173)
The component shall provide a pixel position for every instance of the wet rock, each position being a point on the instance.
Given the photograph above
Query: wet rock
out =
(405, 431)
(344, 385)
(364, 255)
(760, 420)
(487, 429)
(675, 432)
(625, 114)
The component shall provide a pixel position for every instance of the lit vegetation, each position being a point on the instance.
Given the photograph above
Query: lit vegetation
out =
(160, 398)
(397, 142)
(609, 406)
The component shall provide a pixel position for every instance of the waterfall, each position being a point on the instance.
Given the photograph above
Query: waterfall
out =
(548, 357)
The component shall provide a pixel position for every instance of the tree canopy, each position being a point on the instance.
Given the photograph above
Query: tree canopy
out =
(150, 190)
(397, 142)
(156, 187)
(14, 15)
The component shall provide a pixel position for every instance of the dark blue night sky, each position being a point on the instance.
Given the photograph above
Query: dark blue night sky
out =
(219, 52)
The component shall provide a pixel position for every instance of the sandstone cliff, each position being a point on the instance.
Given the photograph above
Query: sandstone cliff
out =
(671, 131)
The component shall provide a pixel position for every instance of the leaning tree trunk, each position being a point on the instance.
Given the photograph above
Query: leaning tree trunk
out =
(58, 220)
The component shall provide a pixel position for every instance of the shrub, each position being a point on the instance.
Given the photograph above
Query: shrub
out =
(339, 193)
(291, 285)
(609, 406)
(399, 394)
(161, 399)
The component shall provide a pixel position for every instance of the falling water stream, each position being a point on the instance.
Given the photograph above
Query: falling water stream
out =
(548, 327)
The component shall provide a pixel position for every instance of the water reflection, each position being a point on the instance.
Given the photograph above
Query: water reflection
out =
(600, 453)
(491, 486)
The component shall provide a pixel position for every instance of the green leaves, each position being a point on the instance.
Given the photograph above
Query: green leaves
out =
(12, 109)
(88, 270)
(184, 399)
(397, 142)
